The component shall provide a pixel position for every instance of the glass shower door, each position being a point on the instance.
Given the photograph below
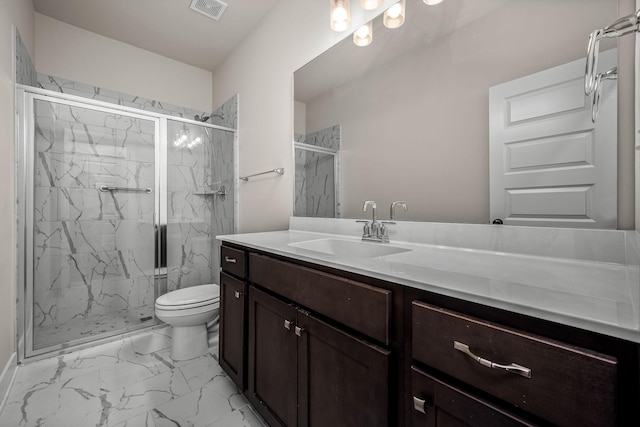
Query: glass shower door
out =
(91, 254)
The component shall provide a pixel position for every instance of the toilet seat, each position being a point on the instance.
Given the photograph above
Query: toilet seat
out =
(187, 298)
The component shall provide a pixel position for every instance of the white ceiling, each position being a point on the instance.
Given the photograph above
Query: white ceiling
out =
(166, 27)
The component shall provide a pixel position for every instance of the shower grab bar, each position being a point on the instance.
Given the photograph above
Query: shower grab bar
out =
(279, 171)
(104, 188)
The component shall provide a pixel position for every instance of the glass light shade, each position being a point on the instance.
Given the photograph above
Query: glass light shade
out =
(394, 16)
(339, 14)
(363, 36)
(432, 2)
(372, 4)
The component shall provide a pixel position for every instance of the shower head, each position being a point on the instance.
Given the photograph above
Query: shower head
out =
(204, 118)
(201, 118)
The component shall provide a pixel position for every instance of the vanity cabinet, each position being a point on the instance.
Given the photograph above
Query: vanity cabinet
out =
(325, 347)
(233, 304)
(305, 369)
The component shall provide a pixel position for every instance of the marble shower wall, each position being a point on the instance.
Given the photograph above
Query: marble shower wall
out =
(92, 259)
(315, 187)
(25, 71)
(197, 169)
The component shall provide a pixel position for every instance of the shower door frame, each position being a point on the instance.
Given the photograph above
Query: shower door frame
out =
(25, 191)
(336, 172)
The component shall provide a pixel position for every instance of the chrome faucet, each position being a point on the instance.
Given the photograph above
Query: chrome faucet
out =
(377, 232)
(392, 209)
(375, 225)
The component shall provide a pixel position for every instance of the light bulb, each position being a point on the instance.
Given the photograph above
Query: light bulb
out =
(363, 36)
(394, 16)
(394, 11)
(432, 2)
(371, 4)
(340, 15)
(198, 139)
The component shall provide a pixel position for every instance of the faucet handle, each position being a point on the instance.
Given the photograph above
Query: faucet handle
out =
(366, 230)
(383, 228)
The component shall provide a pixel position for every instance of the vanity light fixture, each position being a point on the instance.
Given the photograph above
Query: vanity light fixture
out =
(432, 2)
(363, 36)
(339, 14)
(394, 16)
(371, 4)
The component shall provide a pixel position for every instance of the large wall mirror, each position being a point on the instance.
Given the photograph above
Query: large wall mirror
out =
(407, 117)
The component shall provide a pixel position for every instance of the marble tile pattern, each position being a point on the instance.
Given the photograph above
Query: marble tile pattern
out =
(62, 85)
(227, 114)
(91, 248)
(131, 382)
(196, 214)
(315, 188)
(25, 71)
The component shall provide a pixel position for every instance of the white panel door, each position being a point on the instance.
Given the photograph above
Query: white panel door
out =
(549, 164)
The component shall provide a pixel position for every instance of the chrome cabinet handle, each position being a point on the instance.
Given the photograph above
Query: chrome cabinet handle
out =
(299, 331)
(237, 294)
(419, 405)
(288, 324)
(513, 367)
(231, 260)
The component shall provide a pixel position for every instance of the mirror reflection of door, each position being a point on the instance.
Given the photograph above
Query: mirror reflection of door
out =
(550, 164)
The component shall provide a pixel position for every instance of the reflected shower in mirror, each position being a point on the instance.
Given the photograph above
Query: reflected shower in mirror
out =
(413, 107)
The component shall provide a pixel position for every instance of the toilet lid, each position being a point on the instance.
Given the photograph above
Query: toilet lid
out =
(201, 294)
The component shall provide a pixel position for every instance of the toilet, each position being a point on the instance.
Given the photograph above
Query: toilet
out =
(188, 311)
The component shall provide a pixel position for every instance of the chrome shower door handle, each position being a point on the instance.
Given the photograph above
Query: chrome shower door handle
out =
(514, 368)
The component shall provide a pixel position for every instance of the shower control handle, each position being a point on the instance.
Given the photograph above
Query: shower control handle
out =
(230, 260)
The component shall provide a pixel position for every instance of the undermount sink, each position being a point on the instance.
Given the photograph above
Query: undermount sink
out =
(348, 248)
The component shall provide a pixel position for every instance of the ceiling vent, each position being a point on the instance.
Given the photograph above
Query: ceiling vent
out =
(211, 8)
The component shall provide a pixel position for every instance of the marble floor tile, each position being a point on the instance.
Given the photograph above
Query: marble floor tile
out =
(200, 407)
(132, 382)
(243, 417)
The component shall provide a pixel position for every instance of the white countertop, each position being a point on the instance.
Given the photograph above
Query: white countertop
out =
(597, 296)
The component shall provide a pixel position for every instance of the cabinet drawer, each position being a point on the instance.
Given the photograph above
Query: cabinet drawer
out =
(364, 308)
(436, 403)
(568, 386)
(233, 261)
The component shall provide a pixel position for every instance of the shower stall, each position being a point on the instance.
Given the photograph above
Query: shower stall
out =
(116, 206)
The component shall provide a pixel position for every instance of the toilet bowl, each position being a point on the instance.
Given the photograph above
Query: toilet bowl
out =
(188, 311)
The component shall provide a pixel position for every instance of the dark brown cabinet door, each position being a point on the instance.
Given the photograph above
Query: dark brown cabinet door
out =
(342, 380)
(272, 358)
(437, 403)
(233, 299)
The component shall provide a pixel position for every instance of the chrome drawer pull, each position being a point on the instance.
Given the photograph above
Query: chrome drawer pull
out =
(513, 368)
(288, 324)
(231, 260)
(237, 294)
(419, 405)
(299, 331)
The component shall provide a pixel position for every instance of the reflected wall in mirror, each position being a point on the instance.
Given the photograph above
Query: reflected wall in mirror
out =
(413, 107)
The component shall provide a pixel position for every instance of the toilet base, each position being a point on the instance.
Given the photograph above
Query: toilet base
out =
(188, 342)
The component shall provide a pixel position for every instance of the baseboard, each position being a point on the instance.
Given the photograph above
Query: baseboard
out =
(6, 378)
